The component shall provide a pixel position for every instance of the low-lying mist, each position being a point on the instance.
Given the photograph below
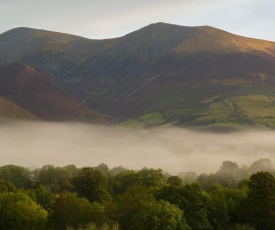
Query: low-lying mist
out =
(33, 144)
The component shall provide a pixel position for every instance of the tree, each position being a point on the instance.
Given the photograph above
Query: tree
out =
(151, 178)
(258, 209)
(261, 165)
(188, 177)
(217, 208)
(174, 180)
(6, 186)
(57, 178)
(133, 199)
(159, 215)
(195, 206)
(91, 184)
(228, 175)
(114, 171)
(70, 210)
(43, 198)
(103, 168)
(130, 202)
(19, 176)
(192, 200)
(18, 211)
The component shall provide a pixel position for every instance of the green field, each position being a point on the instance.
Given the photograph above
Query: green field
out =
(232, 113)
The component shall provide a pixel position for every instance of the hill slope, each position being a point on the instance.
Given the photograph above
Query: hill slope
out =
(40, 96)
(51, 53)
(9, 110)
(191, 76)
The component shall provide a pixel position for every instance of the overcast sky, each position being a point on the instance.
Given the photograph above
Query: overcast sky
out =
(112, 18)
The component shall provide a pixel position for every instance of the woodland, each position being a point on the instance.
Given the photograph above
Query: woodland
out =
(100, 198)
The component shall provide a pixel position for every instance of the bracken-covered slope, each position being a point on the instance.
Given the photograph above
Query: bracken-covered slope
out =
(24, 90)
(161, 74)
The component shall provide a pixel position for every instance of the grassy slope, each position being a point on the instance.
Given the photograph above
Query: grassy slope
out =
(231, 113)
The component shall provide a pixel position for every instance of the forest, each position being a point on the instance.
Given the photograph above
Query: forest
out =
(103, 198)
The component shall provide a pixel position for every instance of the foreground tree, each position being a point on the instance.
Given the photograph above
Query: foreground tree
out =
(6, 186)
(259, 208)
(70, 210)
(18, 211)
(192, 200)
(217, 208)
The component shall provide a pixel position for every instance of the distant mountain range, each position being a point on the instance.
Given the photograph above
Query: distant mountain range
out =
(160, 75)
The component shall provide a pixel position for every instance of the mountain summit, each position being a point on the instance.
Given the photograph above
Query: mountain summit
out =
(190, 76)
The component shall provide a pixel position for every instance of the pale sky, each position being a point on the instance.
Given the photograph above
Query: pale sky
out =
(113, 18)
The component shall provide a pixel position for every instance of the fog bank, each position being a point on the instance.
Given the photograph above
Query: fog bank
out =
(173, 150)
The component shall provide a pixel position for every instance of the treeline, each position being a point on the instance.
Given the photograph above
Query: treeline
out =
(99, 198)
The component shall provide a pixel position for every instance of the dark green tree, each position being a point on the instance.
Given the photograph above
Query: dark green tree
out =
(133, 199)
(130, 202)
(174, 180)
(217, 208)
(91, 184)
(258, 209)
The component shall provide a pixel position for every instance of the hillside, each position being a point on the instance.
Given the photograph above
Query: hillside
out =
(38, 95)
(9, 110)
(52, 53)
(187, 76)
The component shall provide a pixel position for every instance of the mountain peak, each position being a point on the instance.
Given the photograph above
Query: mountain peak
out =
(156, 38)
(167, 27)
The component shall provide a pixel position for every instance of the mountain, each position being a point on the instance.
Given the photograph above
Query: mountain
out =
(29, 94)
(159, 75)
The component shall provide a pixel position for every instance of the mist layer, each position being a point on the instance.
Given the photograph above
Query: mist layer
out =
(173, 150)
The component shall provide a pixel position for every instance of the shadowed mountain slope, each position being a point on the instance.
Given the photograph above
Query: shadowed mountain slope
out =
(198, 76)
(40, 96)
